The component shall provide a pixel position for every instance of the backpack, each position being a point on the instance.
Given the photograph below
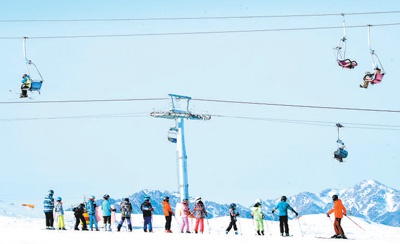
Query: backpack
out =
(79, 209)
(126, 209)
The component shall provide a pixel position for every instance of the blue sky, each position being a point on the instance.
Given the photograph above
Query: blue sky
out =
(93, 148)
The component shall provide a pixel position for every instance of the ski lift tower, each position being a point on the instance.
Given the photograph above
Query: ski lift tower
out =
(179, 115)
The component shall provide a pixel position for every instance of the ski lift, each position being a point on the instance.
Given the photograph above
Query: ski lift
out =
(36, 83)
(376, 76)
(341, 152)
(172, 134)
(340, 52)
(379, 71)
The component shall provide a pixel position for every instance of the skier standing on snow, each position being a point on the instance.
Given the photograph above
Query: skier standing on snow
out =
(78, 212)
(184, 213)
(283, 207)
(106, 207)
(168, 213)
(91, 208)
(147, 210)
(232, 214)
(199, 212)
(126, 211)
(48, 207)
(258, 216)
(339, 211)
(60, 214)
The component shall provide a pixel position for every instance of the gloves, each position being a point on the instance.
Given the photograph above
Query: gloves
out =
(345, 214)
(297, 214)
(237, 214)
(273, 211)
(328, 215)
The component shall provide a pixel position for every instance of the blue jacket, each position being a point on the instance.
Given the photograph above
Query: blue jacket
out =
(91, 207)
(283, 208)
(106, 207)
(59, 208)
(48, 204)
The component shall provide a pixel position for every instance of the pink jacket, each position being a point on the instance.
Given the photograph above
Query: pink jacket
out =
(185, 212)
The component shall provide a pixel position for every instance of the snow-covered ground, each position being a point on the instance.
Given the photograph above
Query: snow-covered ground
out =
(27, 226)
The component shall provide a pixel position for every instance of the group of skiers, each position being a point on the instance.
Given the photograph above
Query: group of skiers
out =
(198, 212)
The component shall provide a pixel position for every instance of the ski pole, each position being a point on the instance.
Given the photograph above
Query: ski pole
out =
(176, 220)
(270, 231)
(354, 222)
(208, 225)
(298, 220)
(273, 218)
(240, 226)
(330, 219)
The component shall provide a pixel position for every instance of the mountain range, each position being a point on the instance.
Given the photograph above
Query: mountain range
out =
(369, 199)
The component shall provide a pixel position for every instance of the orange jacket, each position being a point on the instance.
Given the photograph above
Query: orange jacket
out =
(167, 208)
(338, 208)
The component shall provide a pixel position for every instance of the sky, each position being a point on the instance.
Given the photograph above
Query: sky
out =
(270, 83)
(305, 228)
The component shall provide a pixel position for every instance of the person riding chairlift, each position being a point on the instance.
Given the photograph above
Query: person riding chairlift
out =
(26, 84)
(340, 153)
(374, 78)
(347, 63)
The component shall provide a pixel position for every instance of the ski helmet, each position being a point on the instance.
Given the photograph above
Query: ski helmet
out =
(166, 198)
(335, 197)
(126, 199)
(51, 192)
(59, 199)
(92, 197)
(198, 199)
(25, 75)
(147, 198)
(283, 198)
(106, 196)
(233, 205)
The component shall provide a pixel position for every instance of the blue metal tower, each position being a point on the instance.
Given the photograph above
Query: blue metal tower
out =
(176, 135)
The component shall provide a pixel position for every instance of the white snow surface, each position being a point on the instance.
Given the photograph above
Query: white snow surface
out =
(21, 225)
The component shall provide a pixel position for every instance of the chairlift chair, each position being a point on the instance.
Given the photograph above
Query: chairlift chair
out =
(172, 134)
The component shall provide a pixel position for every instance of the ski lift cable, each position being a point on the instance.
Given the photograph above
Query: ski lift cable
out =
(199, 18)
(197, 32)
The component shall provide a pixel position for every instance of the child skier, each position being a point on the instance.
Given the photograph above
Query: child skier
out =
(185, 212)
(78, 212)
(126, 211)
(91, 208)
(60, 214)
(258, 216)
(106, 207)
(232, 213)
(199, 212)
(147, 210)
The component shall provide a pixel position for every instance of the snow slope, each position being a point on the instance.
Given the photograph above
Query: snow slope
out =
(20, 225)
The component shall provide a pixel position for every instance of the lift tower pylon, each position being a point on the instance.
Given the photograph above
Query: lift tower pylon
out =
(179, 114)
